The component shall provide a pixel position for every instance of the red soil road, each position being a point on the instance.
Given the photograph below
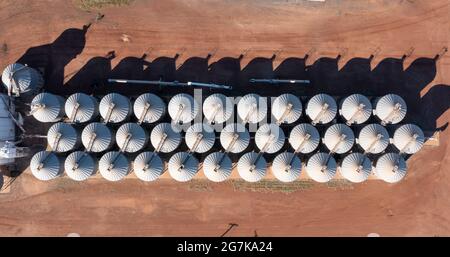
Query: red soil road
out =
(419, 205)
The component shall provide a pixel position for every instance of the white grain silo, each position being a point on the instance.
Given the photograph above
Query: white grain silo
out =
(217, 166)
(80, 166)
(339, 138)
(321, 167)
(97, 137)
(183, 166)
(390, 109)
(321, 109)
(63, 137)
(81, 108)
(200, 137)
(356, 167)
(304, 138)
(286, 108)
(149, 108)
(130, 137)
(252, 167)
(148, 166)
(21, 79)
(164, 138)
(46, 165)
(269, 138)
(355, 109)
(46, 107)
(234, 138)
(183, 108)
(373, 138)
(252, 108)
(286, 167)
(390, 167)
(217, 108)
(115, 108)
(409, 138)
(114, 166)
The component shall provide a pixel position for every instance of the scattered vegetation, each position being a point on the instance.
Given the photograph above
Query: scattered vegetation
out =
(340, 184)
(200, 185)
(272, 186)
(98, 4)
(5, 48)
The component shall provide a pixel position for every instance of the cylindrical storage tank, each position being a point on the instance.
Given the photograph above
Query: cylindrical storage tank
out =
(46, 107)
(130, 137)
(183, 166)
(286, 167)
(373, 138)
(217, 108)
(217, 167)
(304, 138)
(20, 79)
(81, 108)
(183, 108)
(390, 167)
(115, 108)
(80, 166)
(148, 166)
(234, 138)
(7, 125)
(252, 108)
(46, 165)
(164, 138)
(200, 137)
(339, 138)
(97, 137)
(252, 167)
(149, 108)
(114, 166)
(409, 138)
(390, 109)
(356, 167)
(356, 109)
(321, 167)
(269, 138)
(63, 137)
(286, 108)
(321, 109)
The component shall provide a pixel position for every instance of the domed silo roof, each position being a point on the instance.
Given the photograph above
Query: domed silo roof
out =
(148, 166)
(81, 108)
(356, 109)
(97, 137)
(217, 167)
(46, 107)
(390, 167)
(409, 138)
(287, 108)
(183, 108)
(80, 166)
(164, 138)
(114, 166)
(321, 167)
(304, 138)
(269, 138)
(130, 137)
(373, 138)
(286, 167)
(390, 109)
(149, 108)
(252, 108)
(63, 137)
(115, 108)
(217, 108)
(46, 165)
(19, 79)
(200, 137)
(183, 166)
(234, 138)
(321, 109)
(251, 168)
(356, 167)
(339, 138)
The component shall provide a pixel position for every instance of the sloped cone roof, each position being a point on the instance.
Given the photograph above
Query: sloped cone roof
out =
(26, 79)
(286, 167)
(386, 105)
(138, 137)
(46, 165)
(103, 137)
(373, 138)
(289, 106)
(333, 137)
(213, 170)
(80, 166)
(409, 138)
(391, 167)
(172, 140)
(87, 107)
(272, 135)
(249, 170)
(217, 108)
(47, 107)
(148, 166)
(356, 108)
(227, 134)
(150, 107)
(297, 138)
(183, 108)
(183, 166)
(356, 167)
(315, 108)
(114, 166)
(120, 111)
(321, 167)
(252, 107)
(207, 140)
(69, 139)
